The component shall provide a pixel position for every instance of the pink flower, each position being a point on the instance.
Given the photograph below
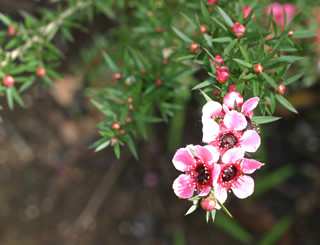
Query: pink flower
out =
(238, 29)
(278, 14)
(233, 176)
(222, 74)
(231, 133)
(200, 170)
(211, 2)
(247, 11)
(219, 59)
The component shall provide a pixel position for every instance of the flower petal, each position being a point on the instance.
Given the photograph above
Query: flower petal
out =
(250, 141)
(208, 153)
(235, 120)
(250, 165)
(205, 191)
(249, 105)
(221, 194)
(210, 129)
(231, 98)
(182, 159)
(233, 155)
(183, 186)
(244, 187)
(211, 109)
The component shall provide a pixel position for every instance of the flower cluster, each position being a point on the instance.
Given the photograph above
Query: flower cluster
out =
(213, 170)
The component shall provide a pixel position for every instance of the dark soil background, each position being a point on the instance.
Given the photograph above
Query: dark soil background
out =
(54, 190)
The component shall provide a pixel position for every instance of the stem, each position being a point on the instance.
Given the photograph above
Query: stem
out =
(45, 31)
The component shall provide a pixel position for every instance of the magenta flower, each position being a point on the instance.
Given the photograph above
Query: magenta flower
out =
(219, 59)
(200, 170)
(278, 14)
(233, 176)
(230, 133)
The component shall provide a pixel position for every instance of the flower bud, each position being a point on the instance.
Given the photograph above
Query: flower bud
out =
(238, 29)
(222, 74)
(247, 11)
(290, 33)
(41, 72)
(8, 81)
(208, 204)
(203, 28)
(257, 68)
(195, 48)
(218, 59)
(117, 76)
(282, 89)
(115, 125)
(211, 2)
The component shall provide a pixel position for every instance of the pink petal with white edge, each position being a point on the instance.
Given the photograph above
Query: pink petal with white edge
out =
(249, 105)
(250, 141)
(182, 159)
(215, 174)
(221, 194)
(205, 191)
(244, 187)
(183, 186)
(235, 120)
(211, 109)
(210, 129)
(233, 155)
(232, 98)
(250, 165)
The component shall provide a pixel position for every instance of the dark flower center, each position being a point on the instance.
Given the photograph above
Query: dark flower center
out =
(249, 124)
(228, 141)
(230, 173)
(201, 174)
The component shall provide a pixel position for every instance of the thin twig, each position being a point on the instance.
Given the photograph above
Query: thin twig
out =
(44, 30)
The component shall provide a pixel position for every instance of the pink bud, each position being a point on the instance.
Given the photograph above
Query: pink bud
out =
(211, 2)
(219, 59)
(247, 11)
(238, 29)
(222, 74)
(232, 87)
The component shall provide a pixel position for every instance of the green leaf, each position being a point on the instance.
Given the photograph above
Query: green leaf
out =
(116, 149)
(283, 101)
(205, 13)
(192, 24)
(145, 118)
(203, 84)
(244, 53)
(9, 98)
(255, 88)
(230, 46)
(305, 34)
(224, 209)
(192, 209)
(243, 63)
(205, 96)
(275, 178)
(277, 231)
(231, 227)
(207, 216)
(105, 144)
(132, 147)
(220, 24)
(293, 79)
(182, 35)
(187, 57)
(194, 198)
(269, 80)
(17, 96)
(5, 19)
(221, 40)
(109, 62)
(213, 214)
(225, 17)
(264, 119)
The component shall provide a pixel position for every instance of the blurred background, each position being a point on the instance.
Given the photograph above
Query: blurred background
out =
(54, 190)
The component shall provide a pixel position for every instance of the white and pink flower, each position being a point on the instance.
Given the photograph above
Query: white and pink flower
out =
(278, 12)
(200, 170)
(231, 133)
(232, 176)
